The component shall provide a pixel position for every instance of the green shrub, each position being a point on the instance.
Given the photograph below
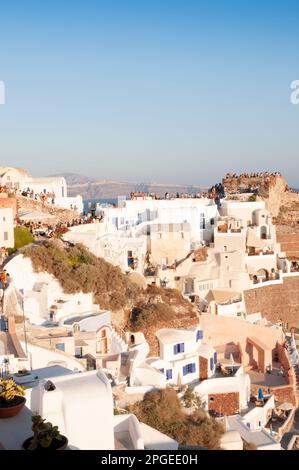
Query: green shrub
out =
(23, 237)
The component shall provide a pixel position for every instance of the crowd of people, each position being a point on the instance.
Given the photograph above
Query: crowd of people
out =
(44, 197)
(155, 196)
(53, 230)
(261, 174)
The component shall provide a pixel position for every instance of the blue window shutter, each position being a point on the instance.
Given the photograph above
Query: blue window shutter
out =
(185, 370)
(199, 335)
(178, 348)
(193, 368)
(211, 363)
(215, 358)
(169, 374)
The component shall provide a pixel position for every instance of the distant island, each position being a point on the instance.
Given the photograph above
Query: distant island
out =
(91, 188)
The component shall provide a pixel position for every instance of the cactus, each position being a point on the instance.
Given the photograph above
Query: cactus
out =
(43, 433)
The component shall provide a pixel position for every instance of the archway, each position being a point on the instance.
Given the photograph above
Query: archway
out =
(262, 274)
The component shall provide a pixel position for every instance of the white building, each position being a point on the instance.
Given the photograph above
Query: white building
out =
(183, 359)
(77, 404)
(6, 228)
(243, 255)
(148, 235)
(42, 296)
(20, 180)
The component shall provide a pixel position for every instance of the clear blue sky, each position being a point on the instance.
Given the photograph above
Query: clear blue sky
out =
(176, 91)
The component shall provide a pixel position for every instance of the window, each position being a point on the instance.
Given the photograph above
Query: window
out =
(211, 363)
(225, 248)
(169, 374)
(78, 352)
(182, 235)
(161, 370)
(60, 346)
(199, 335)
(212, 221)
(215, 358)
(178, 348)
(202, 221)
(5, 236)
(188, 369)
(4, 219)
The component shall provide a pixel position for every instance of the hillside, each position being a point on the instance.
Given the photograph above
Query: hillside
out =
(77, 270)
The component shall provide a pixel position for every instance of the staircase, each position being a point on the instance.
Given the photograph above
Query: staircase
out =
(116, 338)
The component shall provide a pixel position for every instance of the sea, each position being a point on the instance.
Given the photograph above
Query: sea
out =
(89, 203)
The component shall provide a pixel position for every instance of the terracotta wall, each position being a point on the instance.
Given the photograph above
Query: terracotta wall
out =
(226, 403)
(7, 202)
(203, 368)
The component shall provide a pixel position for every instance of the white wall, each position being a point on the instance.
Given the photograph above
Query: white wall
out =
(6, 228)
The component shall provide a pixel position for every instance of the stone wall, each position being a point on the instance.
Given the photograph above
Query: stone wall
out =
(289, 244)
(276, 302)
(226, 403)
(283, 393)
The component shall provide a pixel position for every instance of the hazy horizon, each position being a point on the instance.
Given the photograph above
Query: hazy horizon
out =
(174, 92)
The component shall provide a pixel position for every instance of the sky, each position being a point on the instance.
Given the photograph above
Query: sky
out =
(150, 91)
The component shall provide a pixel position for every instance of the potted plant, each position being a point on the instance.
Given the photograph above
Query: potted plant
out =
(12, 398)
(45, 436)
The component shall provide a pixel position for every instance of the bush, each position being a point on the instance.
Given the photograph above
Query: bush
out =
(150, 314)
(23, 237)
(78, 270)
(191, 399)
(252, 198)
(162, 410)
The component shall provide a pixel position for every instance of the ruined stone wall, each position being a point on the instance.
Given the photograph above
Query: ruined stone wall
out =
(276, 302)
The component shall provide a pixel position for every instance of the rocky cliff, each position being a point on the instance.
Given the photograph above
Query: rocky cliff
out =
(282, 202)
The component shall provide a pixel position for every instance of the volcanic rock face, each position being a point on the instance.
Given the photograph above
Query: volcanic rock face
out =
(280, 200)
